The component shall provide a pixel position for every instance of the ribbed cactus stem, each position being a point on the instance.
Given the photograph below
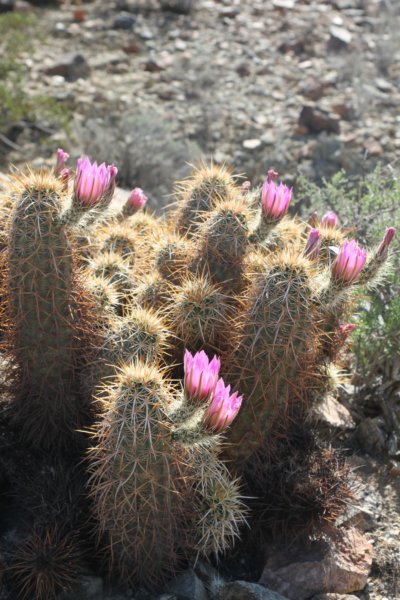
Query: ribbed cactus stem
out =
(198, 314)
(199, 195)
(221, 245)
(263, 230)
(136, 476)
(44, 311)
(275, 343)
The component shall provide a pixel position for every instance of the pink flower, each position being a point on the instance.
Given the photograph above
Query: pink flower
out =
(223, 408)
(345, 329)
(136, 201)
(272, 175)
(275, 200)
(61, 159)
(93, 183)
(313, 244)
(201, 375)
(349, 262)
(330, 219)
(383, 247)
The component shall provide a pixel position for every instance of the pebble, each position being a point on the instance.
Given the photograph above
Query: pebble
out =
(252, 144)
(124, 21)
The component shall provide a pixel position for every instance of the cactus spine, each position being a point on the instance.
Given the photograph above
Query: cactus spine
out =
(146, 485)
(46, 312)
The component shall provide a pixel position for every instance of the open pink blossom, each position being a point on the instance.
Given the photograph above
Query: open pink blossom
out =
(313, 244)
(383, 247)
(349, 262)
(223, 408)
(61, 159)
(275, 200)
(330, 219)
(93, 182)
(201, 375)
(137, 200)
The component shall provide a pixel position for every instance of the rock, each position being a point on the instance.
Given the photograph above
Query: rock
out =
(345, 110)
(6, 6)
(210, 577)
(283, 4)
(335, 597)
(154, 66)
(187, 586)
(124, 21)
(251, 144)
(243, 590)
(373, 148)
(335, 566)
(86, 588)
(371, 435)
(332, 413)
(79, 15)
(317, 120)
(383, 85)
(180, 44)
(71, 66)
(132, 48)
(295, 45)
(180, 7)
(243, 70)
(364, 515)
(339, 39)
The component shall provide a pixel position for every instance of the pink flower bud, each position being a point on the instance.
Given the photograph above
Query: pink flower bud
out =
(330, 219)
(345, 329)
(272, 175)
(275, 200)
(383, 247)
(61, 159)
(93, 183)
(201, 375)
(223, 408)
(313, 244)
(137, 199)
(349, 262)
(64, 176)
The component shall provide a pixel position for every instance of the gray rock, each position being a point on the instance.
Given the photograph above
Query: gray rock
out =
(71, 66)
(6, 5)
(244, 590)
(371, 435)
(365, 514)
(187, 586)
(340, 38)
(124, 21)
(86, 588)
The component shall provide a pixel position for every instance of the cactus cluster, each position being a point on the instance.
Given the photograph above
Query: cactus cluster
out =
(111, 317)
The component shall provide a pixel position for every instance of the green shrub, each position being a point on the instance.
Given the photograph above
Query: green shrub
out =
(366, 207)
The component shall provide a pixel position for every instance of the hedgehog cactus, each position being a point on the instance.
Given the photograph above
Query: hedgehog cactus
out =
(229, 274)
(48, 315)
(159, 491)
